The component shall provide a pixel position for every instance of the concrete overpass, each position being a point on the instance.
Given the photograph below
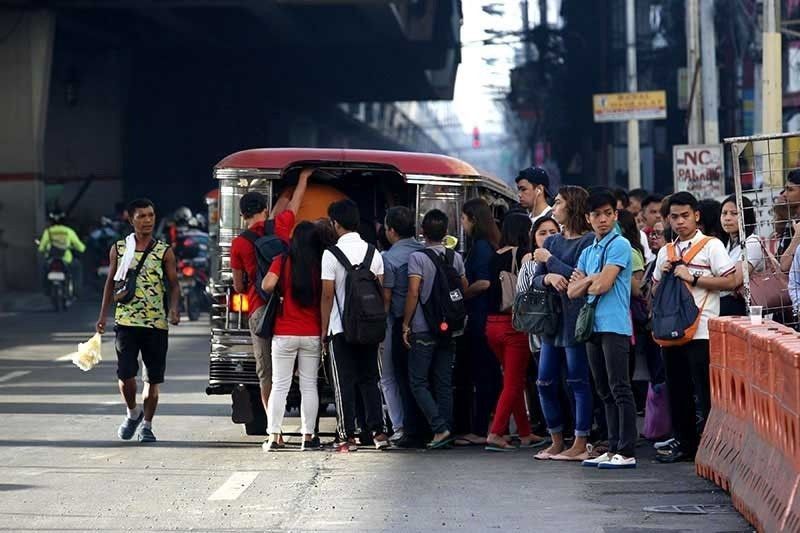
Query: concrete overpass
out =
(144, 96)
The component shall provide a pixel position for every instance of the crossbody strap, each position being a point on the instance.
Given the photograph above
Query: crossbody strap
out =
(593, 303)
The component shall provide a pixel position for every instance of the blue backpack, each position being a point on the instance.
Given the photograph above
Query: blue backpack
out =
(676, 316)
(268, 247)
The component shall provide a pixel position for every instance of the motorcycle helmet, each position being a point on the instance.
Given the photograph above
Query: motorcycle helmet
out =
(56, 216)
(182, 215)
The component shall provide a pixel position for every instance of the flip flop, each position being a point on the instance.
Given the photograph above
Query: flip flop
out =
(496, 448)
(537, 444)
(543, 456)
(463, 442)
(578, 458)
(437, 444)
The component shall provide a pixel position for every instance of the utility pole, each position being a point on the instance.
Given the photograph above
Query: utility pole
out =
(772, 87)
(695, 126)
(634, 173)
(526, 31)
(543, 12)
(710, 90)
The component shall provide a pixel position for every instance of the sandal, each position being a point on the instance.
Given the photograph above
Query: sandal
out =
(437, 444)
(577, 458)
(498, 448)
(543, 456)
(536, 444)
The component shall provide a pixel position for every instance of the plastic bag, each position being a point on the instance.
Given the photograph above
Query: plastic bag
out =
(657, 417)
(88, 354)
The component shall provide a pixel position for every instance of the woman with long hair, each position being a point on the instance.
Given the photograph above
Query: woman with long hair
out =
(557, 261)
(629, 230)
(509, 346)
(479, 225)
(731, 303)
(297, 332)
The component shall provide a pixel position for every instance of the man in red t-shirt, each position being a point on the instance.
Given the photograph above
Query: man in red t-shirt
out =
(244, 264)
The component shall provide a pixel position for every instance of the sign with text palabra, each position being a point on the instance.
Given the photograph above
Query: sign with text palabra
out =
(615, 107)
(698, 169)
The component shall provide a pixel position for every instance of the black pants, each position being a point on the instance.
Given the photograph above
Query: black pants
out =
(414, 424)
(487, 379)
(689, 390)
(609, 355)
(355, 366)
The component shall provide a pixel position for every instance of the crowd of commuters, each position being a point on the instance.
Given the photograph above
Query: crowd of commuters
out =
(365, 312)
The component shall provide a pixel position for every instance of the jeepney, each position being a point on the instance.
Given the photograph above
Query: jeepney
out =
(374, 179)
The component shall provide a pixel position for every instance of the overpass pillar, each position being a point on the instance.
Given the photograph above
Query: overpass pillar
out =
(25, 66)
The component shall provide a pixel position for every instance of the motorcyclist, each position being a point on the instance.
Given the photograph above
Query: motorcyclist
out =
(59, 241)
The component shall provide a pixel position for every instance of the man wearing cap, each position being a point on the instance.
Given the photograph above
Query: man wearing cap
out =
(533, 185)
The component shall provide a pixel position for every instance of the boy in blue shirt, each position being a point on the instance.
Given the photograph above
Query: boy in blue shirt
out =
(604, 274)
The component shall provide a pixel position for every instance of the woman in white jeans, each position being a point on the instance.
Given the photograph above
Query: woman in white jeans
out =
(297, 332)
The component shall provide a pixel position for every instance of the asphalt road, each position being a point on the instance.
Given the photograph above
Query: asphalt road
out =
(63, 469)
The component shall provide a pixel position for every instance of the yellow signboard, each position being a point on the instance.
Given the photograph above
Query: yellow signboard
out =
(615, 107)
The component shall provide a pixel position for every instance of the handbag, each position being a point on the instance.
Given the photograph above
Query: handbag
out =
(265, 327)
(536, 311)
(584, 325)
(769, 288)
(125, 289)
(657, 417)
(508, 284)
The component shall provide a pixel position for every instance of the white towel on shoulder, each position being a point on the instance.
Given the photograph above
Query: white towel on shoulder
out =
(127, 257)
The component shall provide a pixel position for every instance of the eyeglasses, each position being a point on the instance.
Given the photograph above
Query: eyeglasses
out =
(656, 234)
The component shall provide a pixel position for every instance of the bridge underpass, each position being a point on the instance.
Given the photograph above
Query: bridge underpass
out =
(144, 97)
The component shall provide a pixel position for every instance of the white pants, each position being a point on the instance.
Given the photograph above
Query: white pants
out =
(285, 349)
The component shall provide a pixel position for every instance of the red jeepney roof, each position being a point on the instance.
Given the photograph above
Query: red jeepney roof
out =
(405, 162)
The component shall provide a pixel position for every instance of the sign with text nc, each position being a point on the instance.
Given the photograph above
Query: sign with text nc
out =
(615, 107)
(698, 169)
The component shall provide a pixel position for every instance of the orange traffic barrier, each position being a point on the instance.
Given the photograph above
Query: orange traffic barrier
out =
(751, 442)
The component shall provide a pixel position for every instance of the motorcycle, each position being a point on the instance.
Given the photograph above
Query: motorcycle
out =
(58, 281)
(99, 243)
(192, 253)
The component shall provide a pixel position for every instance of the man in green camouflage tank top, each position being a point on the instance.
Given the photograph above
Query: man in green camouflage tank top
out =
(141, 323)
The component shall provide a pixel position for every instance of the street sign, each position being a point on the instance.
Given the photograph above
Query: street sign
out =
(616, 107)
(698, 169)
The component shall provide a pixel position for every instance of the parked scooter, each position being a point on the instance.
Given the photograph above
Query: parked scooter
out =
(191, 251)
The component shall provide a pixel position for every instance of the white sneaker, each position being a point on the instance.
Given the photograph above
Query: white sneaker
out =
(396, 436)
(597, 461)
(618, 462)
(382, 444)
(663, 444)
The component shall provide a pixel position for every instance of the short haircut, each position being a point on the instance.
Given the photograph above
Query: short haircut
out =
(401, 220)
(434, 225)
(345, 213)
(599, 198)
(652, 199)
(683, 198)
(622, 196)
(252, 203)
(794, 176)
(638, 194)
(139, 203)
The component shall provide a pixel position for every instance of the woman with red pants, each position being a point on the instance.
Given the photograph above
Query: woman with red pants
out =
(509, 345)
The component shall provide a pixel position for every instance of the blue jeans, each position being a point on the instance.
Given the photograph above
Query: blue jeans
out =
(549, 382)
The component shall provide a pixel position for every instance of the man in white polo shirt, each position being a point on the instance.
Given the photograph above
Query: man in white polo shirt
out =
(710, 271)
(351, 365)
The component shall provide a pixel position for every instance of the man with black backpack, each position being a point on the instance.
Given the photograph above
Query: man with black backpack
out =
(354, 324)
(680, 321)
(251, 256)
(434, 314)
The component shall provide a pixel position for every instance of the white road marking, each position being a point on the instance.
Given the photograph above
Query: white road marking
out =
(13, 375)
(234, 486)
(67, 357)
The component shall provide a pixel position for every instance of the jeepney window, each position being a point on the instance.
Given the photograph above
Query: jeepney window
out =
(230, 220)
(446, 198)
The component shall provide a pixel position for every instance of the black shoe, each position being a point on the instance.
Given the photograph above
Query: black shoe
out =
(673, 453)
(309, 445)
(409, 443)
(365, 439)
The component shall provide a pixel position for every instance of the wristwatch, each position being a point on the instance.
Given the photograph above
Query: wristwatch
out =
(694, 281)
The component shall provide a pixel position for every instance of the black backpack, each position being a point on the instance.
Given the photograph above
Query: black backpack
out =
(268, 247)
(444, 311)
(364, 317)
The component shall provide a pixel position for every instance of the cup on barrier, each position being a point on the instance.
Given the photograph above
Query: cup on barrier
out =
(755, 315)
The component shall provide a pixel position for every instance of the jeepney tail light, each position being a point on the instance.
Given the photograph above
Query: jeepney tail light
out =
(240, 304)
(188, 271)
